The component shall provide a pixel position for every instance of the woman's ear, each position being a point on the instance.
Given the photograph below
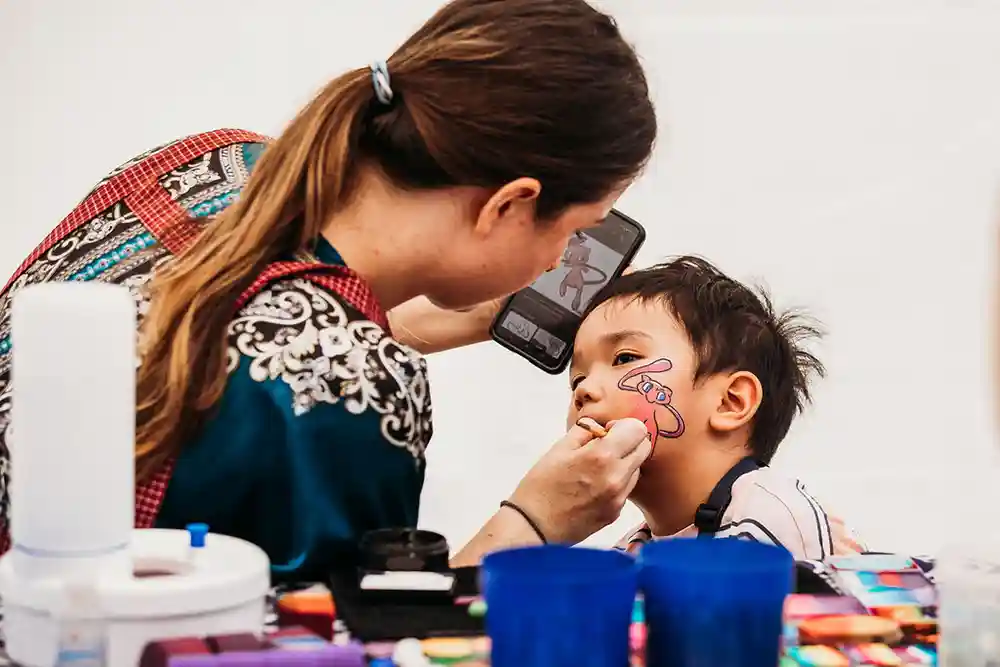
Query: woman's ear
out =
(514, 202)
(741, 394)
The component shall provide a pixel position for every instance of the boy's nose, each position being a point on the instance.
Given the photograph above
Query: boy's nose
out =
(585, 394)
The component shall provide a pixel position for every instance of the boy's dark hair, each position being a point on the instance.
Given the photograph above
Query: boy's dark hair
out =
(733, 327)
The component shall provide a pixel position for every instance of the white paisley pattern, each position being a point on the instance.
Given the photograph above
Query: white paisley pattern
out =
(328, 353)
(181, 181)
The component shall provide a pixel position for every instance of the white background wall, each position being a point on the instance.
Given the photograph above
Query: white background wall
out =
(846, 151)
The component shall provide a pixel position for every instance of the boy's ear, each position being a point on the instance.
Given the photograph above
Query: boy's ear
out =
(740, 396)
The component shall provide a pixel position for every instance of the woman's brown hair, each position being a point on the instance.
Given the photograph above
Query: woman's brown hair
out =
(485, 92)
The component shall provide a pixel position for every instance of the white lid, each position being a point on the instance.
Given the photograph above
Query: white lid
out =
(225, 573)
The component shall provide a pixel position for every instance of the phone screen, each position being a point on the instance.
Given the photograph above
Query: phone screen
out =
(540, 321)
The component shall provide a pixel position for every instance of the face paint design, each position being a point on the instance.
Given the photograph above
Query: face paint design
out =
(660, 417)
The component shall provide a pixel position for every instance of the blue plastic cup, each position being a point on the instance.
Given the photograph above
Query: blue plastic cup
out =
(714, 601)
(556, 606)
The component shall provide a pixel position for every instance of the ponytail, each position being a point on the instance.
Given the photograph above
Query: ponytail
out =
(300, 179)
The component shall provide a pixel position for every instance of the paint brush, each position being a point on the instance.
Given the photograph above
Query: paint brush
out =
(592, 426)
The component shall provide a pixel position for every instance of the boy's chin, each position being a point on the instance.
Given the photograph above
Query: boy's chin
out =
(646, 484)
(651, 472)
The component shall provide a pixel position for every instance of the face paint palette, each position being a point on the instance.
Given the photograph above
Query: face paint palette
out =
(884, 581)
(856, 629)
(884, 614)
(799, 607)
(816, 656)
(917, 626)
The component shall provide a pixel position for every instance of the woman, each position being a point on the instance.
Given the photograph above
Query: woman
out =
(273, 401)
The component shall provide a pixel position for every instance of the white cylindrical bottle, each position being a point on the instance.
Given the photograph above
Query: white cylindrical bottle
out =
(73, 429)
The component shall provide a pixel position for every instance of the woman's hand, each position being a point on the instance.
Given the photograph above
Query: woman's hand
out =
(420, 324)
(578, 487)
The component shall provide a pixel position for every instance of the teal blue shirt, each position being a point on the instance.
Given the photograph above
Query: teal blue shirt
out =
(287, 462)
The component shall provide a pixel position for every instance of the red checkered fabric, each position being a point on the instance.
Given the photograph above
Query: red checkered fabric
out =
(139, 187)
(150, 494)
(337, 279)
(169, 222)
(141, 177)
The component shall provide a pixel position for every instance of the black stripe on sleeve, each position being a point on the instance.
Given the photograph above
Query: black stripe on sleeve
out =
(820, 523)
(742, 523)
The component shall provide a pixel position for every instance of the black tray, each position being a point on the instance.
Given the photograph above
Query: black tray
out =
(389, 617)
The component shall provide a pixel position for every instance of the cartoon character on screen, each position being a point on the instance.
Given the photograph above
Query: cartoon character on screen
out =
(576, 258)
(660, 417)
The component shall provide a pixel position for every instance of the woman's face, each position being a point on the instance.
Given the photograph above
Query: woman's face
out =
(495, 266)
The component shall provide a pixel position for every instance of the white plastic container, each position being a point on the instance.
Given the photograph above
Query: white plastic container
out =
(221, 591)
(72, 496)
(73, 429)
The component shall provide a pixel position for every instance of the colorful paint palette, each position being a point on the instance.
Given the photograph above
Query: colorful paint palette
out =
(817, 656)
(868, 655)
(884, 581)
(877, 655)
(841, 630)
(873, 563)
(799, 607)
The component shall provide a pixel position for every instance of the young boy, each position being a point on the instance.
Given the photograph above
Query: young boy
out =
(717, 377)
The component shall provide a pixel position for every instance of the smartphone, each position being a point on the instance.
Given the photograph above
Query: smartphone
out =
(540, 322)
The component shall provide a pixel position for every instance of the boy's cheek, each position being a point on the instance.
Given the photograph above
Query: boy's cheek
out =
(642, 410)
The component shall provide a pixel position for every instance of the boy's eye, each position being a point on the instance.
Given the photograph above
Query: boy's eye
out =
(625, 358)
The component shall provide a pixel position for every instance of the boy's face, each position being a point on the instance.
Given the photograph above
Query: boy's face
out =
(634, 359)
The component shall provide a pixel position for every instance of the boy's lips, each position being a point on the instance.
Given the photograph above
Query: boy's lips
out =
(592, 418)
(600, 421)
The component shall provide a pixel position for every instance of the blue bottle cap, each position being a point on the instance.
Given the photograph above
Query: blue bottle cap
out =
(197, 531)
(382, 662)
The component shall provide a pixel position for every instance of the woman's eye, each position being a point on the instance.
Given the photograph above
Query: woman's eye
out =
(625, 358)
(575, 382)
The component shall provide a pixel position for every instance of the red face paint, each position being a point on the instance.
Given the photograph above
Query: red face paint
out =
(652, 405)
(643, 411)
